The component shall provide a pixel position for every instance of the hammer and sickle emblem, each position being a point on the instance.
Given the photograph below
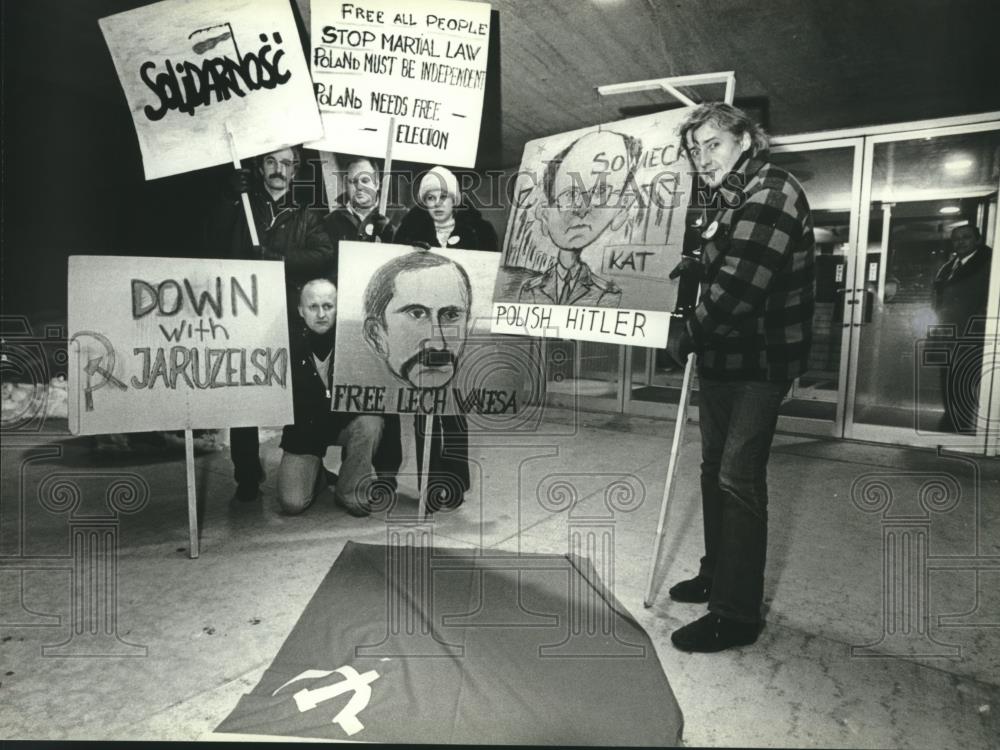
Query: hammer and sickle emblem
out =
(358, 684)
(103, 364)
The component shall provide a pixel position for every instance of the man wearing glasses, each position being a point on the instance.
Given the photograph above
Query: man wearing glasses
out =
(356, 216)
(584, 188)
(287, 232)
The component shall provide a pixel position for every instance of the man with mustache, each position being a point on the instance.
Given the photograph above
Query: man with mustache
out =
(287, 232)
(416, 319)
(585, 193)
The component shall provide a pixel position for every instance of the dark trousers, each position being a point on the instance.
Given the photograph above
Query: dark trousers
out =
(738, 420)
(449, 469)
(960, 382)
(244, 445)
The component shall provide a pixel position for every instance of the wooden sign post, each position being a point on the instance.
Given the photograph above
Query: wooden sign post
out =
(177, 344)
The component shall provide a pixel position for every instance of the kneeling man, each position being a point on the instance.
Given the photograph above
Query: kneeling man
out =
(370, 444)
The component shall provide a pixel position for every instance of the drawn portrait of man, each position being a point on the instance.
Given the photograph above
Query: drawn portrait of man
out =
(586, 192)
(416, 317)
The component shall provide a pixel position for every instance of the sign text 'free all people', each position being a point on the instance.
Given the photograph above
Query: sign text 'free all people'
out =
(191, 69)
(422, 63)
(176, 343)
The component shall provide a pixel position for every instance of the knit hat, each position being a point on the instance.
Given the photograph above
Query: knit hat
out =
(439, 178)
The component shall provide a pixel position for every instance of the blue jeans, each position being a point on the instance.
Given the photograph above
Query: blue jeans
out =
(738, 419)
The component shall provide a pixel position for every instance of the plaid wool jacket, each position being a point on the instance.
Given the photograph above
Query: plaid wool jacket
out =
(754, 318)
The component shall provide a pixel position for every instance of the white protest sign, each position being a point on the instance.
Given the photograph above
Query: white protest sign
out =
(192, 68)
(596, 226)
(413, 336)
(423, 63)
(176, 343)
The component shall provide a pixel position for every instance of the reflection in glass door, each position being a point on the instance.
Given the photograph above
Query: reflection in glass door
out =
(920, 296)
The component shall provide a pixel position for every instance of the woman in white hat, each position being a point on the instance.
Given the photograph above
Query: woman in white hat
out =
(441, 218)
(441, 221)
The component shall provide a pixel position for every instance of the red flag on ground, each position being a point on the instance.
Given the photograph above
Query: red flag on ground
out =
(422, 645)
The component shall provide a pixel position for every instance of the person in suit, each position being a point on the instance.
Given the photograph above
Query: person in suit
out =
(960, 291)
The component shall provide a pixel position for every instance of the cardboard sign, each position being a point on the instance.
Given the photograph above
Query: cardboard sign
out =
(423, 63)
(190, 68)
(596, 226)
(413, 335)
(175, 343)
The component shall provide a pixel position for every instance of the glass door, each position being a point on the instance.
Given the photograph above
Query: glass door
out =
(830, 173)
(920, 367)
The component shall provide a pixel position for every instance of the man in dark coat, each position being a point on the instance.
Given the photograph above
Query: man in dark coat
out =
(751, 330)
(370, 444)
(289, 233)
(961, 288)
(356, 216)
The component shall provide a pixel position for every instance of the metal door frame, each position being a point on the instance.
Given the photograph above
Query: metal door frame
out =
(990, 384)
(864, 140)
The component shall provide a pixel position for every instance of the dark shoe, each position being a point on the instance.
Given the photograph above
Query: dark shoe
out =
(713, 633)
(693, 591)
(247, 492)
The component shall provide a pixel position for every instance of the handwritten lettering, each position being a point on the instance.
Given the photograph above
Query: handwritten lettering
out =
(167, 298)
(186, 86)
(485, 401)
(210, 368)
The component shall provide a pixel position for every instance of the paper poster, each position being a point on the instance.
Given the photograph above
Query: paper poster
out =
(175, 343)
(596, 226)
(413, 335)
(192, 68)
(422, 63)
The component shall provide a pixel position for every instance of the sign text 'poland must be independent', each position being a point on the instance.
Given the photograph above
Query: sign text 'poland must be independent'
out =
(423, 64)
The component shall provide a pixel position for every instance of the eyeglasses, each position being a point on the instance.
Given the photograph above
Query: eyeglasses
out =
(286, 163)
(573, 199)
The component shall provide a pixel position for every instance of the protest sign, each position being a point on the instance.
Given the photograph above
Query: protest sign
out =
(413, 335)
(421, 63)
(596, 226)
(176, 343)
(191, 69)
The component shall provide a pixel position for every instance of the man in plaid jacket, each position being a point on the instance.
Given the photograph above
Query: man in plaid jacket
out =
(751, 330)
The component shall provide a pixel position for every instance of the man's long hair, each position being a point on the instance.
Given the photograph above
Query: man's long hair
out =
(726, 117)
